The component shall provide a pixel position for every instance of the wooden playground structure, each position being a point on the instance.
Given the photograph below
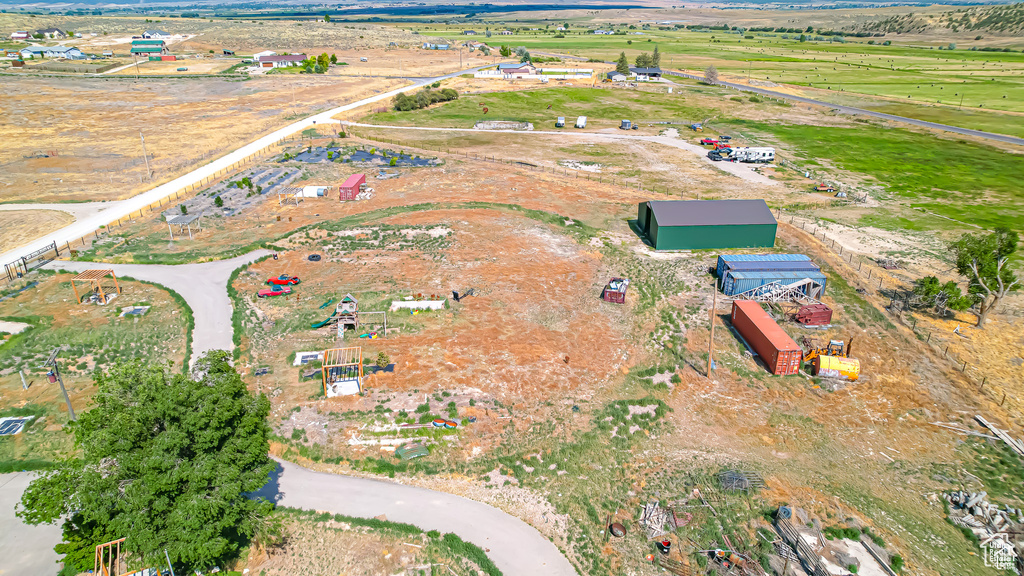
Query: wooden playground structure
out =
(109, 560)
(95, 279)
(342, 371)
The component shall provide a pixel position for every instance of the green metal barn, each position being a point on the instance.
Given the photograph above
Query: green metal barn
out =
(707, 224)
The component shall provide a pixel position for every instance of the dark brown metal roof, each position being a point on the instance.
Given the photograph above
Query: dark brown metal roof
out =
(711, 212)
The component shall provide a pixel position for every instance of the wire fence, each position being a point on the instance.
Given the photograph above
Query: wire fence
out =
(946, 345)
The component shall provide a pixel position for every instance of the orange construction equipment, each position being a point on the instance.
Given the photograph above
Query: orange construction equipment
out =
(823, 187)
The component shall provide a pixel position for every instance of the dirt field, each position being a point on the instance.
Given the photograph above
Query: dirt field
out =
(195, 66)
(21, 226)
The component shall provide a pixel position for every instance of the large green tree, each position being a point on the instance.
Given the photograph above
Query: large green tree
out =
(656, 58)
(984, 261)
(622, 66)
(165, 460)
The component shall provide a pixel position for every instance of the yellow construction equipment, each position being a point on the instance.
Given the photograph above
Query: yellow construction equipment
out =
(835, 348)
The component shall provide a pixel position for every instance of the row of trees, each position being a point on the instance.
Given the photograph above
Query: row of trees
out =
(319, 64)
(403, 102)
(644, 60)
(983, 261)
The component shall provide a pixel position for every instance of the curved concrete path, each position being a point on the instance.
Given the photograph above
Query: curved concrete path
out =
(87, 226)
(203, 286)
(513, 545)
(24, 549)
(744, 171)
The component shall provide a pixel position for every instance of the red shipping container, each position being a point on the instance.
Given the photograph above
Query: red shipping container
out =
(351, 187)
(168, 58)
(777, 350)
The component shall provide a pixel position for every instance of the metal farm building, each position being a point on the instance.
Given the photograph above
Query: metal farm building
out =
(706, 224)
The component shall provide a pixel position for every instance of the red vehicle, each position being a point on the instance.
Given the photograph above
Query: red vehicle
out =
(283, 280)
(274, 291)
(722, 146)
(708, 141)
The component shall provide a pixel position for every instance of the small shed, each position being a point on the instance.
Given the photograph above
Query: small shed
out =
(351, 187)
(185, 222)
(707, 224)
(229, 52)
(615, 291)
(95, 279)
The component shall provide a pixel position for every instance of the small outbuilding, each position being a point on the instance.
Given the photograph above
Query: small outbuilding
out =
(351, 187)
(98, 293)
(706, 224)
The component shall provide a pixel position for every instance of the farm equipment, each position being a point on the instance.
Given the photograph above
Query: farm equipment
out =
(833, 360)
(834, 348)
(823, 187)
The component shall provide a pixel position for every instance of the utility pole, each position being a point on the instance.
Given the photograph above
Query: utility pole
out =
(960, 107)
(135, 57)
(149, 173)
(748, 71)
(711, 341)
(54, 376)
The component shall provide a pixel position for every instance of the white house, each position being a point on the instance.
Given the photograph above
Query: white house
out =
(155, 35)
(22, 35)
(281, 60)
(70, 53)
(52, 33)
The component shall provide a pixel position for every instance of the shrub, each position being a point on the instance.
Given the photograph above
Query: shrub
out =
(423, 408)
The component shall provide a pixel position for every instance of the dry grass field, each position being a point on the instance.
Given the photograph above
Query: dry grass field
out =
(19, 227)
(77, 139)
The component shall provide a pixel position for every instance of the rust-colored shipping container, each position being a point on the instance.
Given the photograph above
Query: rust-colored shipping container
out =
(814, 315)
(168, 58)
(777, 350)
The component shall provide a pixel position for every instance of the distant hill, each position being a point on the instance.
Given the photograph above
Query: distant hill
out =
(1003, 20)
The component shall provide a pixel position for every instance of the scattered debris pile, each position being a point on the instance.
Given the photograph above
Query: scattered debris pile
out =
(997, 529)
(657, 520)
(888, 263)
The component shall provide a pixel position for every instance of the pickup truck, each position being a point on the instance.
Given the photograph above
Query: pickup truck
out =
(708, 141)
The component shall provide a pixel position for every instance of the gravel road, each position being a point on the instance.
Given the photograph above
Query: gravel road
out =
(513, 545)
(24, 549)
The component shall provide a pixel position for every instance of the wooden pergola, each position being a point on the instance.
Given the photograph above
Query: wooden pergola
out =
(95, 280)
(342, 365)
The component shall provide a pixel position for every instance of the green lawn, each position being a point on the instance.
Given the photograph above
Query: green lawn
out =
(603, 108)
(990, 80)
(968, 182)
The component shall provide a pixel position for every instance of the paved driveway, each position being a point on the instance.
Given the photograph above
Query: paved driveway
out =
(514, 546)
(24, 550)
(203, 286)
